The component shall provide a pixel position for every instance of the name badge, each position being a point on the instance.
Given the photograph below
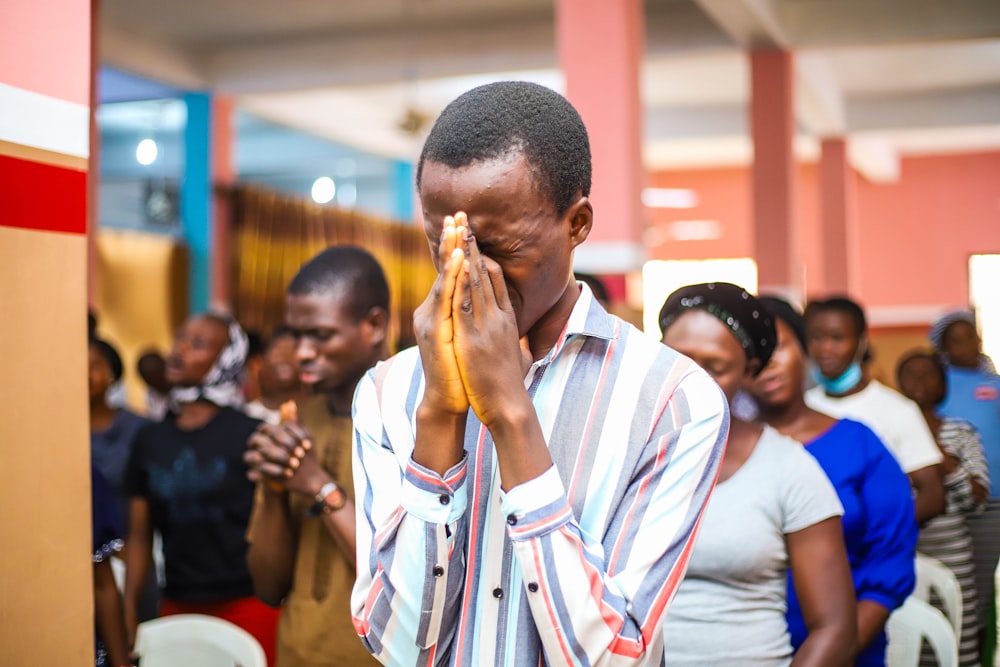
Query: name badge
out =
(986, 392)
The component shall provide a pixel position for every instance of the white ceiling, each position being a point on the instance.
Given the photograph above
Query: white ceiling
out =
(897, 76)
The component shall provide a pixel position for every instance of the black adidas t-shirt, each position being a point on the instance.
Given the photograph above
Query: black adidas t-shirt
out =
(200, 501)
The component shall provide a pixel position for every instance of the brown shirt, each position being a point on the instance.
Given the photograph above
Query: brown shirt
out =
(315, 629)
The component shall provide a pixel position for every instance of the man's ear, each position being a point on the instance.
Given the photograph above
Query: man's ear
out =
(376, 324)
(581, 219)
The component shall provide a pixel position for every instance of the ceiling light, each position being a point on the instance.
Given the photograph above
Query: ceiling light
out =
(145, 152)
(323, 190)
(669, 198)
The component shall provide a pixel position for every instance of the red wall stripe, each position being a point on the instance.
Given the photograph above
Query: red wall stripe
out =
(42, 197)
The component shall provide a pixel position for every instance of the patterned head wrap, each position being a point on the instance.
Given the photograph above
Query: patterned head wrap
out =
(746, 317)
(787, 313)
(941, 326)
(223, 384)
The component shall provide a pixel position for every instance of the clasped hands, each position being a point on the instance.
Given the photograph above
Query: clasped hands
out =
(282, 456)
(468, 335)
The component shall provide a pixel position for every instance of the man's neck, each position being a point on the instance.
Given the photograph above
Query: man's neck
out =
(546, 331)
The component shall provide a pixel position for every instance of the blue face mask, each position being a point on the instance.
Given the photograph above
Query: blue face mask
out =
(842, 384)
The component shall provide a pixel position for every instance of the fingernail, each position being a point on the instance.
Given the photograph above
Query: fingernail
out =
(299, 452)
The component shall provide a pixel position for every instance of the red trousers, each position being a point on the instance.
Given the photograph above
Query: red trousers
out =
(249, 613)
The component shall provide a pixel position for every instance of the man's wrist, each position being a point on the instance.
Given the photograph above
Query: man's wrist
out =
(440, 439)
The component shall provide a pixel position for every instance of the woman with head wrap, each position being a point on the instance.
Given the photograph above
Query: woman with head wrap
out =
(186, 479)
(880, 528)
(772, 510)
(921, 378)
(974, 396)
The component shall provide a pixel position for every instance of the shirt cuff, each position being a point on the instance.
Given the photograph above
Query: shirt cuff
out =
(432, 497)
(536, 507)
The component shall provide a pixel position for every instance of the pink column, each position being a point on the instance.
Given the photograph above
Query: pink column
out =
(600, 46)
(223, 175)
(772, 123)
(838, 215)
(46, 573)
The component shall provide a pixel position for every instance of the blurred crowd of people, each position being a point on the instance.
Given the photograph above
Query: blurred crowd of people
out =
(901, 472)
(413, 513)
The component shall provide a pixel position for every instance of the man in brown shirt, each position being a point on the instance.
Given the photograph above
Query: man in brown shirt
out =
(302, 531)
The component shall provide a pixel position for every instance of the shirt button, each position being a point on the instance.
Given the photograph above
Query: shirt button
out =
(498, 592)
(444, 499)
(511, 520)
(533, 587)
(438, 570)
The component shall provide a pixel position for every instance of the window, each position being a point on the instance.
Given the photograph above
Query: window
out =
(661, 277)
(984, 295)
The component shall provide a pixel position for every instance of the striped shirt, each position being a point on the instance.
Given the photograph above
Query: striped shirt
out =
(574, 567)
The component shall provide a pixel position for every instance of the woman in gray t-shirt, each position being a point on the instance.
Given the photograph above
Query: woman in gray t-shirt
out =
(773, 509)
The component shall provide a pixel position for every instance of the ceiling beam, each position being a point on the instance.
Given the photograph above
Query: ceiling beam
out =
(938, 108)
(133, 51)
(752, 24)
(819, 103)
(865, 22)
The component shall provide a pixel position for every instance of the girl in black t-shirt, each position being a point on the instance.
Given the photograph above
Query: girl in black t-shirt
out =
(186, 479)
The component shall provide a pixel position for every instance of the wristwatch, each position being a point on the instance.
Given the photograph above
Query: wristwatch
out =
(329, 499)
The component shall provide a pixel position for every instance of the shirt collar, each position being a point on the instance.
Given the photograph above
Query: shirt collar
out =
(588, 318)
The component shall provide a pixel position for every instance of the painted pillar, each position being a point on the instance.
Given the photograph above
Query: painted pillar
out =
(46, 602)
(772, 123)
(600, 47)
(838, 216)
(196, 198)
(404, 191)
(222, 176)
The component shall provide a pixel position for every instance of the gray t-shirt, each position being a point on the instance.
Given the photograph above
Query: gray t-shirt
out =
(730, 608)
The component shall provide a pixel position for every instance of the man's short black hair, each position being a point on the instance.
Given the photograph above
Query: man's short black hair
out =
(347, 267)
(840, 304)
(510, 117)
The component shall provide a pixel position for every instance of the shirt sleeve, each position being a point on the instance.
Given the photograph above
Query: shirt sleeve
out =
(964, 444)
(884, 573)
(405, 601)
(602, 602)
(808, 497)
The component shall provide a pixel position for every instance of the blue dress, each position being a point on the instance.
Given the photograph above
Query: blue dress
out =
(880, 528)
(105, 534)
(975, 397)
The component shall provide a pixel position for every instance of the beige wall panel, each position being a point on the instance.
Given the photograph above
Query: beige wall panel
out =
(46, 608)
(142, 297)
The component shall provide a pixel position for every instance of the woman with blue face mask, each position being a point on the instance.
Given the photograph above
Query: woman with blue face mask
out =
(837, 337)
(880, 531)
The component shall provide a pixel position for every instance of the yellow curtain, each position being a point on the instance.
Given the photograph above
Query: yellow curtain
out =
(274, 234)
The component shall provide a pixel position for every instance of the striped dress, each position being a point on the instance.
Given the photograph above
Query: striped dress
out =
(947, 536)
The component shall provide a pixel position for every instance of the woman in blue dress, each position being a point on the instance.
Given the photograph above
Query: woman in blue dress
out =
(109, 619)
(880, 529)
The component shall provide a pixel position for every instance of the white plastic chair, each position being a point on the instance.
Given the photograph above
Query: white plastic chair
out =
(194, 640)
(913, 622)
(996, 583)
(934, 577)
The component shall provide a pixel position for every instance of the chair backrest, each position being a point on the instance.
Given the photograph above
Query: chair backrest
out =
(935, 577)
(194, 640)
(913, 622)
